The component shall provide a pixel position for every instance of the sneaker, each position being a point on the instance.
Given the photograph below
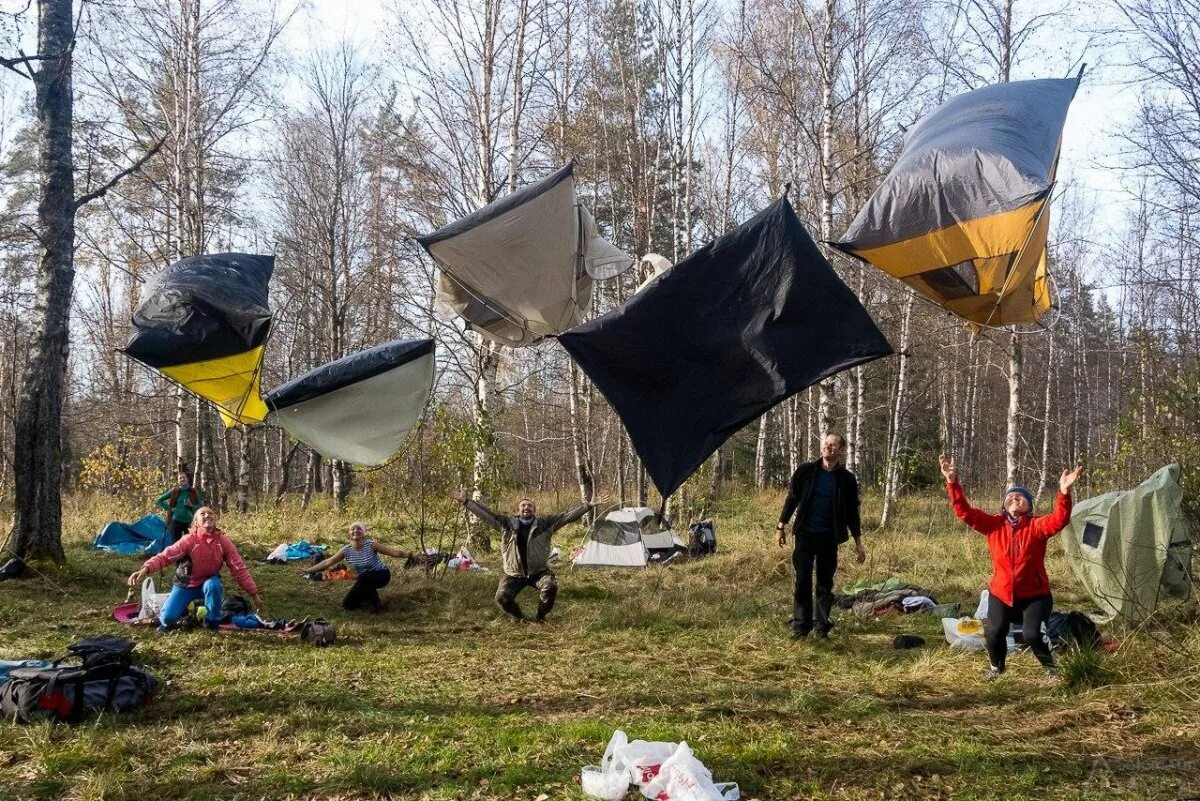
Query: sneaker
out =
(992, 673)
(162, 630)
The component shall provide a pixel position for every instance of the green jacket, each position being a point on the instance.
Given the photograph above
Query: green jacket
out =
(186, 503)
(537, 550)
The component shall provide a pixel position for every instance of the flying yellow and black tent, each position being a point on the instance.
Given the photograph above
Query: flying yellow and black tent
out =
(203, 323)
(963, 216)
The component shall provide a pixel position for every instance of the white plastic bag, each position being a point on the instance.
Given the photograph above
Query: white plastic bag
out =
(605, 784)
(152, 602)
(684, 778)
(608, 780)
(643, 760)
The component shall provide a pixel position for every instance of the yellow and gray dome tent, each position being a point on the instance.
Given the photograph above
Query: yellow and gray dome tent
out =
(963, 216)
(522, 267)
(203, 323)
(361, 407)
(1128, 549)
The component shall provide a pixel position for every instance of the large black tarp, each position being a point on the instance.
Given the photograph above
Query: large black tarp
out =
(202, 308)
(740, 325)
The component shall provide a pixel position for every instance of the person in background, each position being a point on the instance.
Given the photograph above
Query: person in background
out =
(180, 502)
(371, 573)
(207, 549)
(824, 496)
(525, 551)
(1020, 588)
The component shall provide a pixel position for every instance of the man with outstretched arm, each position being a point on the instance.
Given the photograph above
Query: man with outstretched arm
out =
(824, 496)
(525, 550)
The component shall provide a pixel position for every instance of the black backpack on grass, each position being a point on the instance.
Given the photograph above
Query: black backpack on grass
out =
(104, 680)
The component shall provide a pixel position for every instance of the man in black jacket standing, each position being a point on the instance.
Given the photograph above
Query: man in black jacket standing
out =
(824, 496)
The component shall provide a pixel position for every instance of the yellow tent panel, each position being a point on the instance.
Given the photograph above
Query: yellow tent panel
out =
(231, 383)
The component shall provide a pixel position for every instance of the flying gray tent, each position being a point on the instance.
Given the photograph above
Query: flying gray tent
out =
(963, 216)
(717, 340)
(360, 407)
(522, 267)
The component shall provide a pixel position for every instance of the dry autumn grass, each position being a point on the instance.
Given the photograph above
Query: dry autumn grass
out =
(440, 698)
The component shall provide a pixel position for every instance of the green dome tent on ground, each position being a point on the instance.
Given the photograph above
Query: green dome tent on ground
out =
(1131, 548)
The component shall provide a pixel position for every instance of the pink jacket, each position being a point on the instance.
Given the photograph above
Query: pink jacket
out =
(208, 552)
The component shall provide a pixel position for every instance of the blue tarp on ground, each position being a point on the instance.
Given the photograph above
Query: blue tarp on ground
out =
(146, 537)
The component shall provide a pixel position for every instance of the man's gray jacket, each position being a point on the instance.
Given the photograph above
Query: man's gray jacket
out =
(537, 550)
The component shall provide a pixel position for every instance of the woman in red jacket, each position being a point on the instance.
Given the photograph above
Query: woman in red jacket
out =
(1020, 589)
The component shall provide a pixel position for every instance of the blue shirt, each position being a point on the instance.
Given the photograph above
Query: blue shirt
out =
(820, 509)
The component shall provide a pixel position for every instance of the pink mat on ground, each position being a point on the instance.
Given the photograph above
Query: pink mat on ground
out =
(127, 614)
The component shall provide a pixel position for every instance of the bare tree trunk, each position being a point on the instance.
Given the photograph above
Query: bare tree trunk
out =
(760, 454)
(895, 431)
(579, 444)
(37, 451)
(829, 76)
(1044, 477)
(285, 470)
(243, 470)
(1012, 441)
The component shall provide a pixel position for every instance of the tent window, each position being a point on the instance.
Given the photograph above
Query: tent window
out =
(1092, 534)
(956, 281)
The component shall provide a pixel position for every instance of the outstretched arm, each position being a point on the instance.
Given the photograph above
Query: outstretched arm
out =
(325, 564)
(977, 519)
(476, 508)
(396, 552)
(554, 523)
(1057, 520)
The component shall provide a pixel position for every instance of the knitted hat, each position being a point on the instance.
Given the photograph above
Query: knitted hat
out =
(1018, 488)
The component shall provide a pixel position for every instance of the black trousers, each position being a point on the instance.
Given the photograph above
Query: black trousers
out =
(510, 586)
(820, 551)
(366, 589)
(1032, 612)
(178, 529)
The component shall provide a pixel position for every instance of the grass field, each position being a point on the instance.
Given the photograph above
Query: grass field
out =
(440, 698)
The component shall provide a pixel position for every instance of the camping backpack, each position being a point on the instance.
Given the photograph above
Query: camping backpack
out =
(104, 680)
(318, 632)
(703, 539)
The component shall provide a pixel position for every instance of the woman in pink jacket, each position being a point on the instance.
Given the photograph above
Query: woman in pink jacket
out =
(207, 548)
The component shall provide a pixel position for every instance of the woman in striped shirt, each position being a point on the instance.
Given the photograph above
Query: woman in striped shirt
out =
(362, 554)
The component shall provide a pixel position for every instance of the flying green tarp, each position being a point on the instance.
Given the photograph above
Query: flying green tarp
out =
(1129, 549)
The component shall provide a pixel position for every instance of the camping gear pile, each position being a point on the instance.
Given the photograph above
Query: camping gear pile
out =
(883, 599)
(303, 549)
(634, 536)
(662, 771)
(146, 537)
(702, 539)
(1063, 629)
(97, 675)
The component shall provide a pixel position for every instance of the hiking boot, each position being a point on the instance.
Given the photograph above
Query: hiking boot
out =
(993, 673)
(822, 634)
(799, 634)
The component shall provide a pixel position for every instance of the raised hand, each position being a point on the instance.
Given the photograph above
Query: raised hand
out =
(459, 495)
(599, 501)
(949, 470)
(1067, 479)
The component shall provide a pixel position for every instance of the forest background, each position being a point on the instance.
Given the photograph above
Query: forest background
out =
(272, 127)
